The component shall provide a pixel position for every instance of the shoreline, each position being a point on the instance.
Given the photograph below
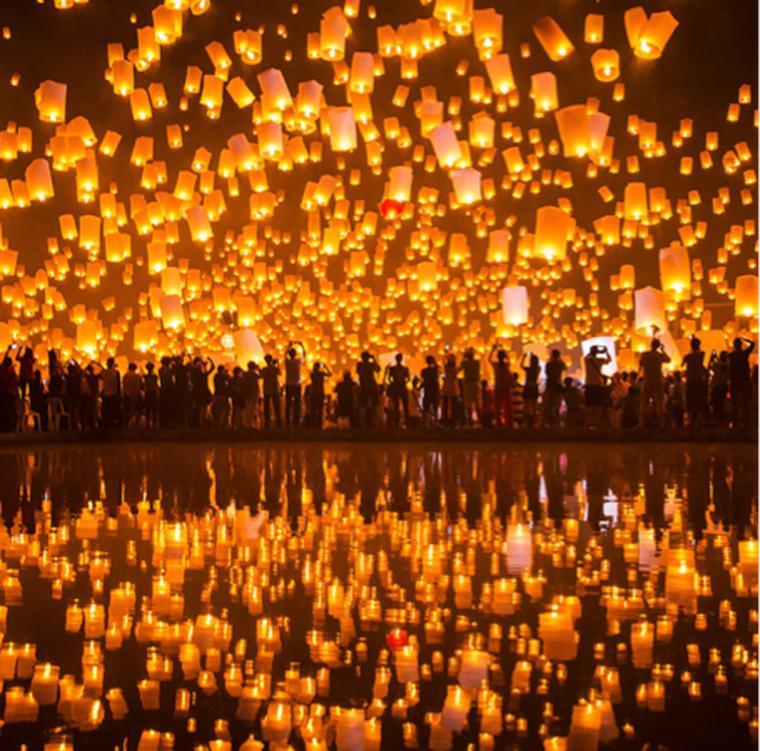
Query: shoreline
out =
(382, 435)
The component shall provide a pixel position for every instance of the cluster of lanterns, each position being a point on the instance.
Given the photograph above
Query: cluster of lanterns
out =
(270, 616)
(351, 214)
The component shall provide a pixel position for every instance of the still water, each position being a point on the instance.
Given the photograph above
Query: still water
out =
(378, 596)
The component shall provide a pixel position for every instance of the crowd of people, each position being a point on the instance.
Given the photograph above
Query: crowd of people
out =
(192, 392)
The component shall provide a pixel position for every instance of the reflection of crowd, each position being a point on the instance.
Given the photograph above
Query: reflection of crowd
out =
(185, 392)
(457, 479)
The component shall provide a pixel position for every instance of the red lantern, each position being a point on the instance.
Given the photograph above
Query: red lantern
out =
(390, 209)
(397, 638)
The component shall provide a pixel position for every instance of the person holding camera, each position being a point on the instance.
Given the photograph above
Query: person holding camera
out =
(653, 384)
(596, 384)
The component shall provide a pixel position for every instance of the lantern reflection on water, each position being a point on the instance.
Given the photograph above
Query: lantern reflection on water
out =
(493, 593)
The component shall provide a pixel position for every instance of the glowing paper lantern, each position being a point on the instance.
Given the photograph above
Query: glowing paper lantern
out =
(675, 269)
(498, 246)
(515, 307)
(400, 183)
(172, 313)
(745, 302)
(145, 336)
(362, 78)
(606, 65)
(574, 129)
(342, 128)
(467, 185)
(649, 310)
(487, 30)
(551, 37)
(87, 337)
(390, 208)
(270, 139)
(445, 144)
(499, 70)
(543, 89)
(39, 181)
(247, 347)
(50, 100)
(427, 276)
(333, 30)
(553, 229)
(635, 204)
(199, 224)
(648, 35)
(275, 95)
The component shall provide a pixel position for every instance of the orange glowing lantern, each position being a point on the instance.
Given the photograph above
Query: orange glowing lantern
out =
(553, 229)
(551, 37)
(515, 306)
(50, 100)
(649, 310)
(648, 35)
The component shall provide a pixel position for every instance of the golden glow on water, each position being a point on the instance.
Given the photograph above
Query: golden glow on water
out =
(379, 596)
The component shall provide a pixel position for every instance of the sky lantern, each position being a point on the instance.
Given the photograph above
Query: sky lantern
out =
(498, 246)
(145, 335)
(50, 100)
(199, 224)
(172, 313)
(275, 95)
(457, 15)
(39, 181)
(675, 270)
(427, 276)
(309, 98)
(482, 129)
(745, 300)
(635, 201)
(247, 44)
(515, 307)
(400, 183)
(593, 28)
(362, 78)
(551, 37)
(270, 138)
(333, 30)
(487, 29)
(445, 144)
(247, 347)
(139, 103)
(87, 337)
(499, 70)
(649, 311)
(467, 185)
(606, 65)
(238, 90)
(123, 77)
(118, 247)
(648, 35)
(574, 129)
(390, 208)
(554, 228)
(342, 128)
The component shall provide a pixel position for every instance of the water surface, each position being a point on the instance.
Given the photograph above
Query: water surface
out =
(302, 559)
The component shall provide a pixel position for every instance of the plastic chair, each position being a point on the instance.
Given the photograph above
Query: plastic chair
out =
(56, 413)
(28, 419)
